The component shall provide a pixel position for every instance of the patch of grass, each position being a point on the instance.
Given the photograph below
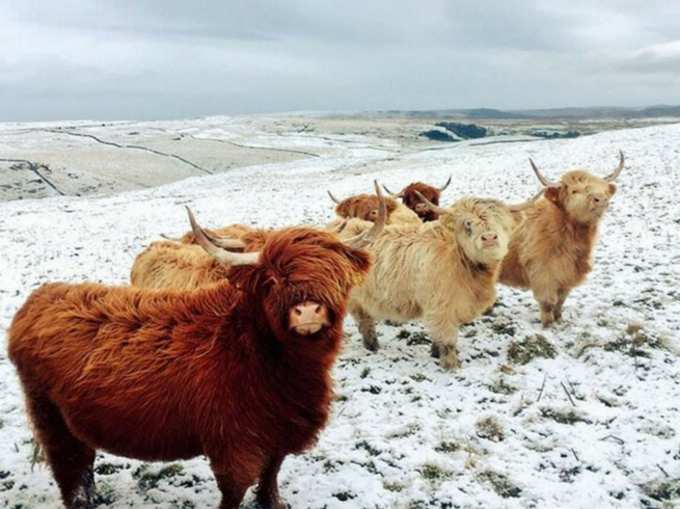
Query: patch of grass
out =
(500, 483)
(433, 472)
(418, 338)
(448, 447)
(563, 416)
(368, 448)
(344, 496)
(419, 377)
(634, 341)
(490, 429)
(500, 386)
(365, 372)
(523, 352)
(403, 334)
(108, 468)
(394, 487)
(664, 491)
(147, 479)
(373, 389)
(331, 466)
(503, 327)
(411, 429)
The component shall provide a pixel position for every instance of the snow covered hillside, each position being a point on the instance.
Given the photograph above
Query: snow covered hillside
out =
(593, 420)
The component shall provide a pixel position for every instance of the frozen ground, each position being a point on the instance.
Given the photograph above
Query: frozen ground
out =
(596, 426)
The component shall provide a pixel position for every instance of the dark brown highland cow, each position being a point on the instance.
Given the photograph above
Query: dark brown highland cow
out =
(409, 196)
(237, 371)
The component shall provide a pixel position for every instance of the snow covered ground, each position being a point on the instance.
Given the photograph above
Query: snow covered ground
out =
(597, 425)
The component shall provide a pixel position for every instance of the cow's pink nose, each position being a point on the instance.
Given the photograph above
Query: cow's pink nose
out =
(489, 238)
(308, 317)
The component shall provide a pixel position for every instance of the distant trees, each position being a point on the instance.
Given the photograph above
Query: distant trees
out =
(464, 131)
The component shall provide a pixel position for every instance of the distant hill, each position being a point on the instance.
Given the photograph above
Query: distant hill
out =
(574, 113)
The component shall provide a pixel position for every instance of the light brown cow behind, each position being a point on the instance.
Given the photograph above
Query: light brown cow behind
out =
(365, 206)
(550, 253)
(186, 263)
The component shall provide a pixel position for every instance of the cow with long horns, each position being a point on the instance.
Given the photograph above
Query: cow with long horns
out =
(550, 252)
(365, 206)
(184, 263)
(442, 272)
(238, 371)
(410, 196)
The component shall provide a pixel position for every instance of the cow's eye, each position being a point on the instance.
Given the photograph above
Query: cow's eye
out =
(468, 226)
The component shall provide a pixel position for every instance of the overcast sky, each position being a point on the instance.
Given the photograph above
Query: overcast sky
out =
(136, 59)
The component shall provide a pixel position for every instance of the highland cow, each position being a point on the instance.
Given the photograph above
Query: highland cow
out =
(173, 264)
(365, 206)
(410, 196)
(550, 252)
(442, 272)
(237, 371)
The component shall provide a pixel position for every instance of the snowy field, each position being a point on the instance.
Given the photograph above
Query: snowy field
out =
(595, 426)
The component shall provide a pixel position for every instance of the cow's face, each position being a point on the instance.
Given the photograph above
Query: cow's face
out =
(363, 206)
(582, 195)
(308, 275)
(482, 228)
(416, 204)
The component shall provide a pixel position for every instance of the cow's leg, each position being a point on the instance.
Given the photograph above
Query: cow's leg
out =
(234, 473)
(366, 326)
(70, 460)
(232, 490)
(562, 296)
(268, 489)
(547, 299)
(444, 334)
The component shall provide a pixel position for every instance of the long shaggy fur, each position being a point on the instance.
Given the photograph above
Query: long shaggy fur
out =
(365, 206)
(169, 264)
(167, 374)
(434, 272)
(550, 252)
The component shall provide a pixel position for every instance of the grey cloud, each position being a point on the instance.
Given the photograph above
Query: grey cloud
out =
(132, 59)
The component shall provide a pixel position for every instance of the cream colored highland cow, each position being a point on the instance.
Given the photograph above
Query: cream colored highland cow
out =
(550, 252)
(443, 272)
(189, 262)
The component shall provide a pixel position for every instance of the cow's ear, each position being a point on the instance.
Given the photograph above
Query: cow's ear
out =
(342, 209)
(612, 189)
(552, 193)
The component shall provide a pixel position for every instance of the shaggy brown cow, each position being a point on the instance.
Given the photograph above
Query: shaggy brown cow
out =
(237, 371)
(443, 272)
(365, 206)
(409, 196)
(550, 252)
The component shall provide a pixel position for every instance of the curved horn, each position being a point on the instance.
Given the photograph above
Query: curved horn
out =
(540, 176)
(228, 242)
(432, 206)
(335, 200)
(441, 189)
(370, 235)
(393, 195)
(526, 204)
(220, 254)
(613, 175)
